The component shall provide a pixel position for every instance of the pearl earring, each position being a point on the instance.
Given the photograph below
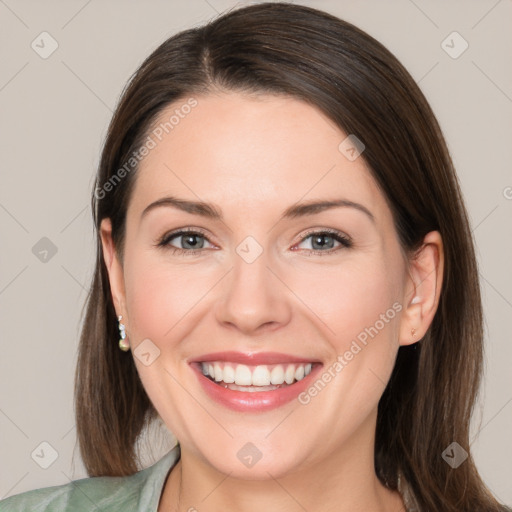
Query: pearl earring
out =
(124, 345)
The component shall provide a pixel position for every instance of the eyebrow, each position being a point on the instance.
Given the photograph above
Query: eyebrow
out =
(211, 211)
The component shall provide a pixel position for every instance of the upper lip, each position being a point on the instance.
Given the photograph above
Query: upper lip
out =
(251, 358)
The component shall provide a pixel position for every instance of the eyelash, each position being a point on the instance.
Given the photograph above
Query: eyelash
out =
(345, 241)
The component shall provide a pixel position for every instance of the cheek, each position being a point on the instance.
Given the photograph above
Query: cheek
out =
(358, 309)
(351, 299)
(158, 296)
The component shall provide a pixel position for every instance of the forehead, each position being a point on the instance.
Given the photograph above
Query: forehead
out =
(250, 152)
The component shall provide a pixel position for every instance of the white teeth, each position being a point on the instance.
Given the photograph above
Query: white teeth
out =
(264, 377)
(218, 372)
(289, 376)
(250, 389)
(260, 376)
(243, 375)
(277, 375)
(229, 374)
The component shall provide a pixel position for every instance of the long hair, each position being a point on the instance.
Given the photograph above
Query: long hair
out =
(310, 55)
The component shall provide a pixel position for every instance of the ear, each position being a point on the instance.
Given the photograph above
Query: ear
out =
(423, 289)
(114, 268)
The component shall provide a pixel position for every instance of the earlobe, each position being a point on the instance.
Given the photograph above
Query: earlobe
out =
(114, 268)
(424, 289)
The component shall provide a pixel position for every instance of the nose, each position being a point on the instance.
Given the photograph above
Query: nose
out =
(253, 299)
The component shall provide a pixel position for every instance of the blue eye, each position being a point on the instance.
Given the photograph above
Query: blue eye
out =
(324, 242)
(193, 242)
(189, 241)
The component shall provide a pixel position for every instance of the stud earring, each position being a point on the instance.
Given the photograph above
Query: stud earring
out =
(413, 332)
(124, 345)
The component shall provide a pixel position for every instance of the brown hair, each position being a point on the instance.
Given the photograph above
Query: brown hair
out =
(339, 69)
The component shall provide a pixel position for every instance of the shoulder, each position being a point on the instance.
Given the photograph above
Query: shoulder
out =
(97, 493)
(138, 492)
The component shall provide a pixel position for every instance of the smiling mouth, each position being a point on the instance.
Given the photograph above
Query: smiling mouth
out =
(241, 377)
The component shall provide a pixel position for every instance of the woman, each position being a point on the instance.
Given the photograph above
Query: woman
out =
(283, 247)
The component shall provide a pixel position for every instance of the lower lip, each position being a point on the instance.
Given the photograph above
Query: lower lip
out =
(257, 401)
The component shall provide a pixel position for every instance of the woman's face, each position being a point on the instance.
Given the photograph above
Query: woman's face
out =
(266, 287)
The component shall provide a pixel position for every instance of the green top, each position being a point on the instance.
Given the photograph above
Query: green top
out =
(139, 492)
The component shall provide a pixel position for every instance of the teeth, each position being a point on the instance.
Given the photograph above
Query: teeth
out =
(218, 373)
(243, 375)
(250, 389)
(277, 375)
(228, 374)
(289, 376)
(260, 376)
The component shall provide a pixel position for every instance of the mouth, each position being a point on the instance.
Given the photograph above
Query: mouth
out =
(241, 377)
(236, 381)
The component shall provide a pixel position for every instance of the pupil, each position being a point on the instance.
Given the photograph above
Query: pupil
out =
(318, 241)
(191, 240)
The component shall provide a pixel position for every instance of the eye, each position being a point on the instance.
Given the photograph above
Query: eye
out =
(325, 242)
(188, 241)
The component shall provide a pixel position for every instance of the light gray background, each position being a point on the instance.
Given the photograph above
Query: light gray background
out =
(54, 116)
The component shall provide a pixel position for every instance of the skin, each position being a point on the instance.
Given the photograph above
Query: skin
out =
(254, 156)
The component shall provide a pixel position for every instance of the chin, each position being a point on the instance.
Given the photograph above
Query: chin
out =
(245, 460)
